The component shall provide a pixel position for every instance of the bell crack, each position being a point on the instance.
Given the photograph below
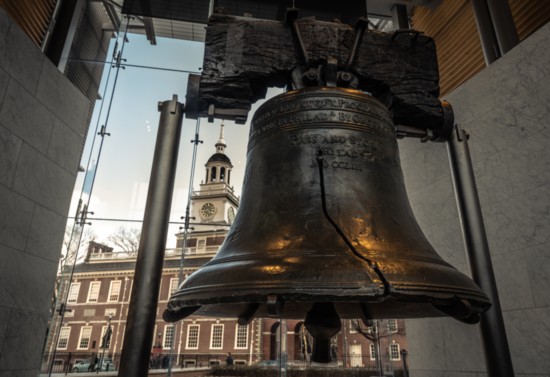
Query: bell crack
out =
(372, 264)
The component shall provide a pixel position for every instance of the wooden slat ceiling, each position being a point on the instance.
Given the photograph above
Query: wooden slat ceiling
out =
(32, 16)
(452, 25)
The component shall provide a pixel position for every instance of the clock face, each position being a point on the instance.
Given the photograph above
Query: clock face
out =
(208, 210)
(231, 214)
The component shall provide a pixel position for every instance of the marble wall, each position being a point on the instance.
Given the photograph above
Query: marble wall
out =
(42, 128)
(506, 110)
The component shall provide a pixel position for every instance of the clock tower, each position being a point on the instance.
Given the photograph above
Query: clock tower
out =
(215, 203)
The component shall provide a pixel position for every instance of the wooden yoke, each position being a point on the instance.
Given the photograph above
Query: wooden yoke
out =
(244, 56)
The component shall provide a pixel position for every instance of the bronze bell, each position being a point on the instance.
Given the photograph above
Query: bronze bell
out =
(325, 229)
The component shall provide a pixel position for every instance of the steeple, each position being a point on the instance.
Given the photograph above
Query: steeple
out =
(215, 203)
(218, 167)
(220, 145)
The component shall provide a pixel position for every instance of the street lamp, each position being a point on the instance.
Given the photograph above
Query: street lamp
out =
(404, 354)
(105, 342)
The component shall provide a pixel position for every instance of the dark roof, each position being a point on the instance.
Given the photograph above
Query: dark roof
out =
(219, 157)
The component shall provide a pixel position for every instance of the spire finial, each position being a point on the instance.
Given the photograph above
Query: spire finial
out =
(220, 145)
(222, 141)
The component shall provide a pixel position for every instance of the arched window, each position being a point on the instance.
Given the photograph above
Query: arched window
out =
(228, 176)
(213, 174)
(222, 174)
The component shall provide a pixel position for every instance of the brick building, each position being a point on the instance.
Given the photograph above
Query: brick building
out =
(99, 293)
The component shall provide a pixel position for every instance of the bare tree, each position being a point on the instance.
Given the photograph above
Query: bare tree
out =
(375, 330)
(126, 239)
(74, 239)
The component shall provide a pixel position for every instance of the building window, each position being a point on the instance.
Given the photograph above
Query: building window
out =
(173, 286)
(216, 339)
(392, 325)
(213, 174)
(168, 337)
(108, 338)
(394, 352)
(241, 337)
(85, 335)
(73, 293)
(192, 337)
(201, 245)
(222, 174)
(372, 352)
(63, 341)
(189, 363)
(353, 324)
(93, 292)
(114, 290)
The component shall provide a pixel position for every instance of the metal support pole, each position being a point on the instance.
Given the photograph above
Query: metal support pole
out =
(142, 313)
(405, 369)
(504, 25)
(496, 27)
(495, 343)
(400, 17)
(487, 36)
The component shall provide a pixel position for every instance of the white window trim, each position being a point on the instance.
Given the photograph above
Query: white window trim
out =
(90, 291)
(103, 331)
(198, 327)
(173, 286)
(165, 335)
(115, 285)
(237, 327)
(212, 336)
(398, 353)
(68, 330)
(74, 290)
(82, 329)
(201, 245)
(372, 352)
(394, 330)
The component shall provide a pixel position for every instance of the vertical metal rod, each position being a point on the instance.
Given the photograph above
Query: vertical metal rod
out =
(495, 343)
(138, 336)
(405, 369)
(487, 37)
(400, 17)
(504, 25)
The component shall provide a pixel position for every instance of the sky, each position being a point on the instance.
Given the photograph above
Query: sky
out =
(130, 115)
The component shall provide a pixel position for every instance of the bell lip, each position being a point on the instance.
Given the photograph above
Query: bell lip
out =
(394, 306)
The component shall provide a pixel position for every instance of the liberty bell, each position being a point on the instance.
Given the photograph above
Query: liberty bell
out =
(325, 230)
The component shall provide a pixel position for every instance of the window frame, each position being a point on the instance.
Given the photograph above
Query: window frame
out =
(93, 296)
(398, 353)
(74, 291)
(218, 338)
(173, 287)
(61, 337)
(112, 286)
(168, 333)
(239, 336)
(103, 330)
(80, 338)
(372, 350)
(198, 327)
(393, 327)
